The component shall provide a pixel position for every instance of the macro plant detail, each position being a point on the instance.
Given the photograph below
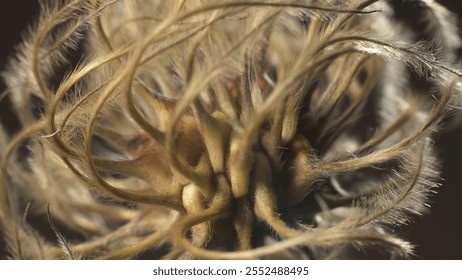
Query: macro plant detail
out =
(223, 129)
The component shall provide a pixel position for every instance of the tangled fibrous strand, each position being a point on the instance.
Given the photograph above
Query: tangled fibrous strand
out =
(223, 129)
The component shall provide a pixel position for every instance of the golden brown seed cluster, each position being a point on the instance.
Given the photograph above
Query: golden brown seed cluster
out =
(223, 129)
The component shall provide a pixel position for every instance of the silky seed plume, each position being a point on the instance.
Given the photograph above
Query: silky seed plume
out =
(223, 129)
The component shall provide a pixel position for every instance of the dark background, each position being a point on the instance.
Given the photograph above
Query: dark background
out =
(438, 235)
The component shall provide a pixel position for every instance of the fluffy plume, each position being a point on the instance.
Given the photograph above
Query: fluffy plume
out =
(223, 129)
